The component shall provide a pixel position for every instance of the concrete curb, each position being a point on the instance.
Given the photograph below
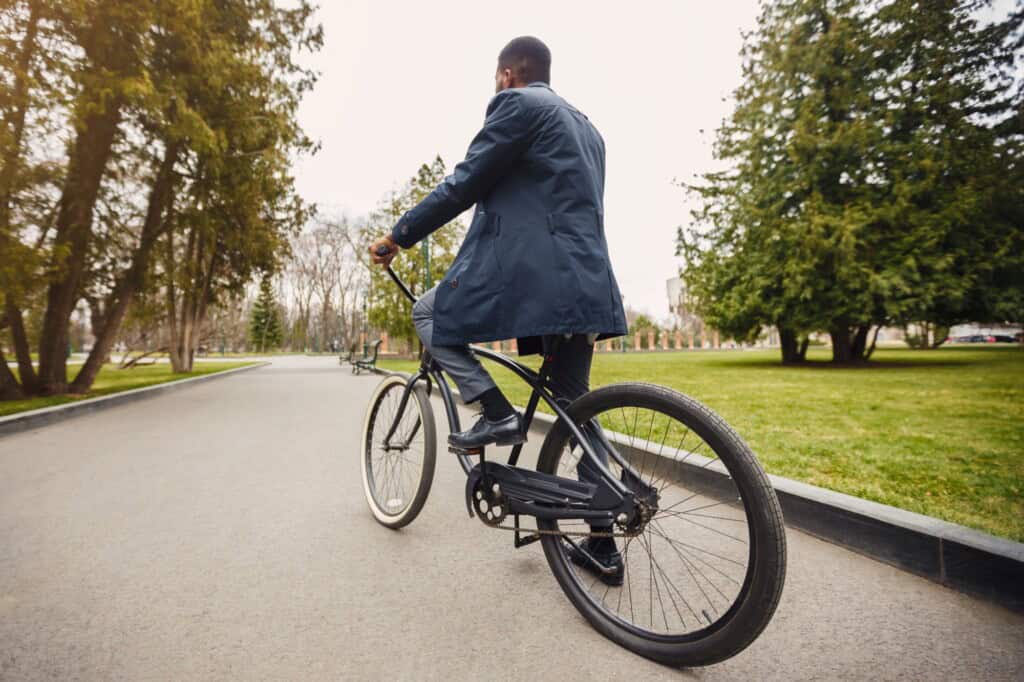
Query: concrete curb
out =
(955, 556)
(33, 419)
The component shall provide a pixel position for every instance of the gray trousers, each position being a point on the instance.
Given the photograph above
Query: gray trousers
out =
(569, 377)
(570, 371)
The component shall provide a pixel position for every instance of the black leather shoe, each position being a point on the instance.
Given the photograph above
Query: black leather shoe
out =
(508, 431)
(606, 555)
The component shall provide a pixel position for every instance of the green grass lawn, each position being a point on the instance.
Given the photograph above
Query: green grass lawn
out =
(937, 432)
(112, 380)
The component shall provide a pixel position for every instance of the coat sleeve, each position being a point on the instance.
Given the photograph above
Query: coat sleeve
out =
(501, 141)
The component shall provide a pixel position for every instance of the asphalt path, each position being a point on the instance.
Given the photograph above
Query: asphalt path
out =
(220, 532)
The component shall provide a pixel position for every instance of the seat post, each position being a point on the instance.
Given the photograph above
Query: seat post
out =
(550, 349)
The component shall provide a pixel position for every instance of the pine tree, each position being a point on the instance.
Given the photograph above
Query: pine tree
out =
(952, 184)
(775, 242)
(264, 323)
(865, 175)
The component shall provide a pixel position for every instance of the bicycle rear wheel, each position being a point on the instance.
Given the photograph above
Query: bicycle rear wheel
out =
(397, 479)
(704, 574)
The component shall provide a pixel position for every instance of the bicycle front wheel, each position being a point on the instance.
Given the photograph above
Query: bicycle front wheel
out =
(703, 575)
(397, 475)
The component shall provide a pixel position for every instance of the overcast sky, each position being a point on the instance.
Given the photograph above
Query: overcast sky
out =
(402, 82)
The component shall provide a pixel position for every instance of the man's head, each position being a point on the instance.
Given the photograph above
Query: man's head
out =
(523, 61)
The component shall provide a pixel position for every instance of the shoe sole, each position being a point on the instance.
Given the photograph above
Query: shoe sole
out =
(610, 580)
(499, 443)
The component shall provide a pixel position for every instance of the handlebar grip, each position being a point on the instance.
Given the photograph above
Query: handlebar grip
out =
(382, 251)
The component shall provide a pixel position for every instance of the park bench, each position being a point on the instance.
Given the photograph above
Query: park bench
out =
(368, 361)
(348, 356)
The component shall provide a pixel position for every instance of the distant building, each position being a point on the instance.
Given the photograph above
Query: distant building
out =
(681, 307)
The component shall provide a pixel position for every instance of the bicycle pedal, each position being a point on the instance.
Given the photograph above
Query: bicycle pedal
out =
(467, 451)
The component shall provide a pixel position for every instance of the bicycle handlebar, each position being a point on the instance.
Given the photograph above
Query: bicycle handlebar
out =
(401, 285)
(383, 251)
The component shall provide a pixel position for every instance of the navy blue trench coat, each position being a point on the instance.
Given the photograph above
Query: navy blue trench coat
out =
(535, 260)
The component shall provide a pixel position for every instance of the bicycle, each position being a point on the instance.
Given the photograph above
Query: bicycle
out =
(728, 560)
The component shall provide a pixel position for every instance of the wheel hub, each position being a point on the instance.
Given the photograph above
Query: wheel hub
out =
(643, 511)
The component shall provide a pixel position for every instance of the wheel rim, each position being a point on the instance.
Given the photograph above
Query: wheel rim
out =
(393, 475)
(688, 569)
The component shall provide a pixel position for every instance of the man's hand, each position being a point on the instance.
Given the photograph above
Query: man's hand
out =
(388, 243)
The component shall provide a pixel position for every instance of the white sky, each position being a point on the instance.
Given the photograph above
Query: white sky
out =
(403, 81)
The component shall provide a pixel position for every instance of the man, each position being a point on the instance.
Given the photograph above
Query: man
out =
(534, 264)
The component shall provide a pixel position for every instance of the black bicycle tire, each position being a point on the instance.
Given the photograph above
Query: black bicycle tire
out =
(410, 512)
(762, 589)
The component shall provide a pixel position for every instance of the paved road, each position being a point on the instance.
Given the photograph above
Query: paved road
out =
(220, 532)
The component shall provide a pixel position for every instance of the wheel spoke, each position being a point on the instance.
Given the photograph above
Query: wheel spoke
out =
(396, 474)
(690, 567)
(696, 546)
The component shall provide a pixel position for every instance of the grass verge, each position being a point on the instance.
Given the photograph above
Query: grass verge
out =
(113, 380)
(937, 432)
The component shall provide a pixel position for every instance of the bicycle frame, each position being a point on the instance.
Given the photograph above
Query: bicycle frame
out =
(431, 372)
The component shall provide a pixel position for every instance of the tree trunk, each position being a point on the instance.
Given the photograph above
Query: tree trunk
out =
(97, 314)
(22, 352)
(129, 363)
(178, 306)
(874, 342)
(173, 343)
(848, 344)
(841, 346)
(133, 278)
(794, 350)
(88, 160)
(194, 313)
(860, 342)
(186, 312)
(9, 388)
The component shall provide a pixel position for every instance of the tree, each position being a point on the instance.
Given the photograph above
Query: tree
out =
(388, 308)
(112, 79)
(190, 106)
(238, 209)
(264, 322)
(945, 165)
(19, 57)
(843, 207)
(325, 271)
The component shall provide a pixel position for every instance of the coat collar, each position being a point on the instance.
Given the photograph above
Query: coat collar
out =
(539, 84)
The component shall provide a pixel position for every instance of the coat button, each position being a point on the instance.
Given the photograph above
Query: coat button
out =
(455, 283)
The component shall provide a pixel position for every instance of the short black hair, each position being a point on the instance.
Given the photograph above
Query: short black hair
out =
(529, 59)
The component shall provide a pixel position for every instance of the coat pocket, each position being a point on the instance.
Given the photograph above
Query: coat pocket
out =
(582, 263)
